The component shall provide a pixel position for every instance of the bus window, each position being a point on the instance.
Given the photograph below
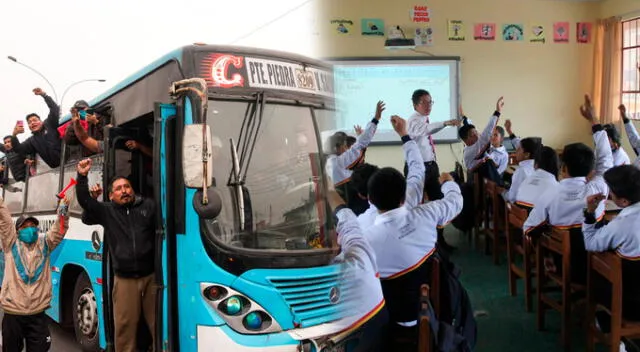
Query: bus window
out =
(14, 195)
(72, 154)
(95, 176)
(280, 200)
(41, 195)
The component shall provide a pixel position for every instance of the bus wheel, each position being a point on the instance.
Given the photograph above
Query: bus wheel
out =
(85, 314)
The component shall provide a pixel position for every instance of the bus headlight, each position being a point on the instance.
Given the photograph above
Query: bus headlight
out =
(256, 320)
(238, 311)
(234, 305)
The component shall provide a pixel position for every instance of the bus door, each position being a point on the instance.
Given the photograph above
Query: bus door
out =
(121, 161)
(168, 204)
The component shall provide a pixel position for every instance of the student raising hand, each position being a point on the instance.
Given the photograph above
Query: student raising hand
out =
(399, 125)
(379, 109)
(587, 111)
(500, 104)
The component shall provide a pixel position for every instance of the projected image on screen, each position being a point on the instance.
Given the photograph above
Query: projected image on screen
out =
(359, 85)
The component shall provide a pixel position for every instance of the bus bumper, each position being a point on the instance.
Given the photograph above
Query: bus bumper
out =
(222, 338)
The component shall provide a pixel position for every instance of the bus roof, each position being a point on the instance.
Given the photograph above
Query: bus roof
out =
(186, 62)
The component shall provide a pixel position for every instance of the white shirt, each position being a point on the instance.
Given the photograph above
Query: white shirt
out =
(533, 186)
(367, 218)
(620, 157)
(415, 184)
(404, 238)
(634, 140)
(620, 235)
(338, 165)
(420, 130)
(499, 156)
(471, 152)
(359, 284)
(562, 207)
(525, 168)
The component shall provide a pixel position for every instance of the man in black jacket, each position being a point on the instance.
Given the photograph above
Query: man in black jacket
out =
(15, 161)
(45, 139)
(129, 221)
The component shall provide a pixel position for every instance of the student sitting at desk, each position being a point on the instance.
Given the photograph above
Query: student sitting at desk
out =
(342, 158)
(563, 206)
(497, 153)
(527, 151)
(476, 146)
(543, 178)
(620, 235)
(620, 157)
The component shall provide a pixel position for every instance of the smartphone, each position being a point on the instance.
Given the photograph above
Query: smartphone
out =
(20, 123)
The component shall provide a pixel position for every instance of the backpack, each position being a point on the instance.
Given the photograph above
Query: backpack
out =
(456, 330)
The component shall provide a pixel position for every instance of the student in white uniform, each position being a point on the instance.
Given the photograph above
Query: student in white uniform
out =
(526, 153)
(365, 315)
(563, 207)
(544, 177)
(632, 133)
(477, 145)
(359, 179)
(403, 239)
(342, 158)
(620, 157)
(415, 182)
(497, 153)
(620, 235)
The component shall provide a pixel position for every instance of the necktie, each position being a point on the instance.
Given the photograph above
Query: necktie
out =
(433, 146)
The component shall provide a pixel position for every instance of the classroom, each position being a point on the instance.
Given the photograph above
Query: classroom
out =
(542, 57)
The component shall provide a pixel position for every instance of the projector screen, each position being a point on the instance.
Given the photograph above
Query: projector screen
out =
(360, 83)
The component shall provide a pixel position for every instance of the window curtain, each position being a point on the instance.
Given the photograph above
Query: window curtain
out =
(607, 66)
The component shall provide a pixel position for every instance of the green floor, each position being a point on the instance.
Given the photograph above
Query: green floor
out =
(503, 323)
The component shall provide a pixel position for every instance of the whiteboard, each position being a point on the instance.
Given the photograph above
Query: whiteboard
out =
(359, 83)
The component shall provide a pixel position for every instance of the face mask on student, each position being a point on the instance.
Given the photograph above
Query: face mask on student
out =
(28, 235)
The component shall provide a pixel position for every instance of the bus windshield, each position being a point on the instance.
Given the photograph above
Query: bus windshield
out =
(281, 202)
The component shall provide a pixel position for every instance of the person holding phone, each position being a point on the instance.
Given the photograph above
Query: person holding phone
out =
(15, 161)
(45, 141)
(88, 127)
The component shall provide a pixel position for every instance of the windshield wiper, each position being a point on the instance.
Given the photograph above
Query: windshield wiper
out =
(237, 184)
(247, 139)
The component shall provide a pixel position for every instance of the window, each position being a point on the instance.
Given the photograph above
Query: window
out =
(630, 64)
(282, 204)
(41, 188)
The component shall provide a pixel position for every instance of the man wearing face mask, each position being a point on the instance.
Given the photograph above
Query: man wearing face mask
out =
(26, 288)
(129, 221)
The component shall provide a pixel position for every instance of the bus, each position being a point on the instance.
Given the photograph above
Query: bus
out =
(244, 250)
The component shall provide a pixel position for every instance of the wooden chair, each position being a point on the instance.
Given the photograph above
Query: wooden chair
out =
(493, 219)
(609, 266)
(425, 336)
(559, 242)
(518, 244)
(478, 206)
(429, 295)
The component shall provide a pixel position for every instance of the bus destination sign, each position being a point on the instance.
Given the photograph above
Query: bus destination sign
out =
(233, 71)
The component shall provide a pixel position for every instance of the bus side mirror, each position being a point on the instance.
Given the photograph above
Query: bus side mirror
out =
(192, 157)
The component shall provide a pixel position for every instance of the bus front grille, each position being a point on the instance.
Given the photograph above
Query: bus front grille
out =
(313, 299)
